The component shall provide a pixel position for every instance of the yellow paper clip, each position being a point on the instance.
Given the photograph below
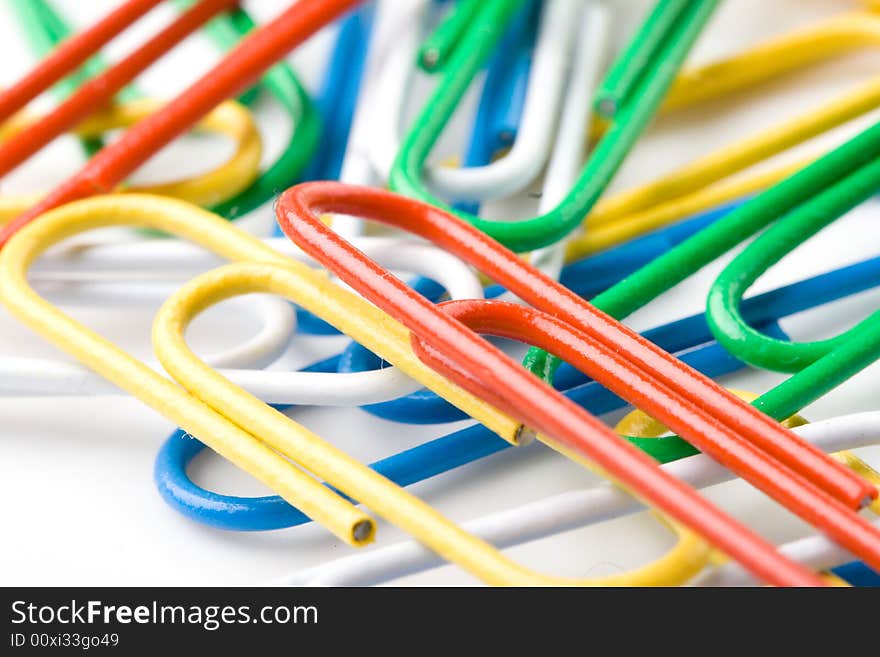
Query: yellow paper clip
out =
(249, 432)
(230, 119)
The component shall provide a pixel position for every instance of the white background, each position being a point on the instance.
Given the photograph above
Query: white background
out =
(77, 501)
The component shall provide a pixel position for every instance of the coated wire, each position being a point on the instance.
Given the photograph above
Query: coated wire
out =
(27, 377)
(100, 90)
(548, 415)
(360, 319)
(536, 232)
(579, 508)
(236, 72)
(216, 185)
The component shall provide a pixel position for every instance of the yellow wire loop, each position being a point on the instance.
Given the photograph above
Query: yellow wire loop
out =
(230, 119)
(247, 431)
(366, 324)
(317, 456)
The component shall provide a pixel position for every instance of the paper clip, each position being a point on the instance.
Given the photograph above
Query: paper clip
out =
(236, 199)
(574, 509)
(235, 439)
(814, 210)
(214, 186)
(236, 72)
(519, 392)
(352, 478)
(630, 118)
(704, 183)
(100, 90)
(689, 338)
(689, 256)
(559, 24)
(45, 28)
(258, 456)
(20, 376)
(230, 440)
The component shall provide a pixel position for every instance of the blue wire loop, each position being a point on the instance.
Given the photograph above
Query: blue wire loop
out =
(688, 338)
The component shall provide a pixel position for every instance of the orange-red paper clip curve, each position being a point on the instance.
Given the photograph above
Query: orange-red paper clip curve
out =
(486, 371)
(100, 90)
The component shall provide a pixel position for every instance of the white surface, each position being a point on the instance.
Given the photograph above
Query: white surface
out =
(79, 506)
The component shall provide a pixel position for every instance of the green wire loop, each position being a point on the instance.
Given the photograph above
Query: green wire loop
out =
(725, 296)
(844, 177)
(472, 49)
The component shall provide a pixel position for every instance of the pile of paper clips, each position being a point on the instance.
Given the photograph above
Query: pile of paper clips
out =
(562, 282)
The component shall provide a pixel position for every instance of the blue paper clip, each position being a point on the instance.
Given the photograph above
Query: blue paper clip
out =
(689, 338)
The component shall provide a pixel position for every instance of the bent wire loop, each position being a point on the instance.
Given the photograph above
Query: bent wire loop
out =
(237, 440)
(354, 315)
(705, 182)
(579, 508)
(559, 25)
(809, 199)
(101, 89)
(45, 28)
(27, 376)
(226, 180)
(235, 437)
(818, 208)
(649, 206)
(471, 49)
(242, 193)
(506, 322)
(361, 483)
(518, 393)
(689, 338)
(372, 60)
(234, 73)
(696, 187)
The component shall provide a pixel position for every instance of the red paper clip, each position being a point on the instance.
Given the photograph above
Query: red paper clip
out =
(101, 89)
(70, 54)
(567, 327)
(239, 70)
